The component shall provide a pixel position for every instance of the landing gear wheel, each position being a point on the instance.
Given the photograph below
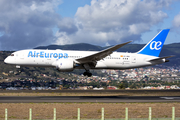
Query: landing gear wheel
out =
(87, 74)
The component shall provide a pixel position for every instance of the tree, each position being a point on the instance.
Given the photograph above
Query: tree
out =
(121, 86)
(133, 86)
(66, 86)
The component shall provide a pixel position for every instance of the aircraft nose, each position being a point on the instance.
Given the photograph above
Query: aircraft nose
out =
(6, 61)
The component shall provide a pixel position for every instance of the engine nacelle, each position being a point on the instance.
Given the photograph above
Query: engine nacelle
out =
(65, 65)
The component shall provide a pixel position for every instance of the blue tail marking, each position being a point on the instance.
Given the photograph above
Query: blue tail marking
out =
(154, 47)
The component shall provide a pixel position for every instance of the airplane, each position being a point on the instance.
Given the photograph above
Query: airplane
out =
(68, 60)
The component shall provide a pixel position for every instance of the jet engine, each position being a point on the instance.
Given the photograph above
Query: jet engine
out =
(65, 65)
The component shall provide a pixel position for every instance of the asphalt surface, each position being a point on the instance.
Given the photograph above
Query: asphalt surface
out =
(90, 91)
(93, 99)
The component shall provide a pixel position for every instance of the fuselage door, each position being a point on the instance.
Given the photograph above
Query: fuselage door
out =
(21, 56)
(133, 59)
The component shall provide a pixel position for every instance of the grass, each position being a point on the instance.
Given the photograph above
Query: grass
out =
(89, 110)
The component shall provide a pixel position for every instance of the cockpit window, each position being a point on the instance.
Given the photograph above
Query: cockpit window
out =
(12, 55)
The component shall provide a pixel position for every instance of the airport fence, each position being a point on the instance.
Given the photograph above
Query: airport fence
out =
(102, 116)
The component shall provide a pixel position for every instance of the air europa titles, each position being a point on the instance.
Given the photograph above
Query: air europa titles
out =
(43, 54)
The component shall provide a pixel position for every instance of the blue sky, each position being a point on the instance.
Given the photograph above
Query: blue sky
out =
(69, 8)
(27, 24)
(173, 37)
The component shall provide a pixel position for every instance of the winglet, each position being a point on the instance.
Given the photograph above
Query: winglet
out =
(118, 46)
(154, 46)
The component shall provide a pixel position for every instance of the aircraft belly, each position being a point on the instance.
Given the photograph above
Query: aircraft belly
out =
(116, 64)
(34, 62)
(112, 64)
(100, 65)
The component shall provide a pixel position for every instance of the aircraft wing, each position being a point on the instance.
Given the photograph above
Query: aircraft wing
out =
(100, 55)
(160, 58)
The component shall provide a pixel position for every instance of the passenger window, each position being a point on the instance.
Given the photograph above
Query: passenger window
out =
(12, 54)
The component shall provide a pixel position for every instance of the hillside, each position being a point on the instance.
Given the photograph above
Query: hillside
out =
(79, 46)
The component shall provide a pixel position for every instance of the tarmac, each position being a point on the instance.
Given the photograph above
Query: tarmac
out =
(94, 99)
(91, 99)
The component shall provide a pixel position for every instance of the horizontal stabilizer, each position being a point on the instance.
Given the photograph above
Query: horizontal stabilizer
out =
(160, 58)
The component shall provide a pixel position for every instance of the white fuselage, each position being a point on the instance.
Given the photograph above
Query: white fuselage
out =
(47, 58)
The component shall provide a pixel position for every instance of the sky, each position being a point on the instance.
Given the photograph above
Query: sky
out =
(26, 24)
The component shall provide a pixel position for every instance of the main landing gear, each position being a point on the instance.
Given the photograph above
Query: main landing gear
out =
(87, 73)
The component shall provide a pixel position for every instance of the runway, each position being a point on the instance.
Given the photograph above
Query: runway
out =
(93, 91)
(92, 99)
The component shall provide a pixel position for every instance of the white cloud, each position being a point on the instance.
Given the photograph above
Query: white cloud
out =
(68, 25)
(176, 21)
(114, 21)
(62, 38)
(27, 23)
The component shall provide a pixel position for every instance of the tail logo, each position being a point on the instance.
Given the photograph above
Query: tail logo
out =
(155, 45)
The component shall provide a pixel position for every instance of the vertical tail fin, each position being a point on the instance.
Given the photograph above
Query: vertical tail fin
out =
(154, 46)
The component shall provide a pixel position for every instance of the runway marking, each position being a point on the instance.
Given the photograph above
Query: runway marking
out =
(170, 98)
(60, 98)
